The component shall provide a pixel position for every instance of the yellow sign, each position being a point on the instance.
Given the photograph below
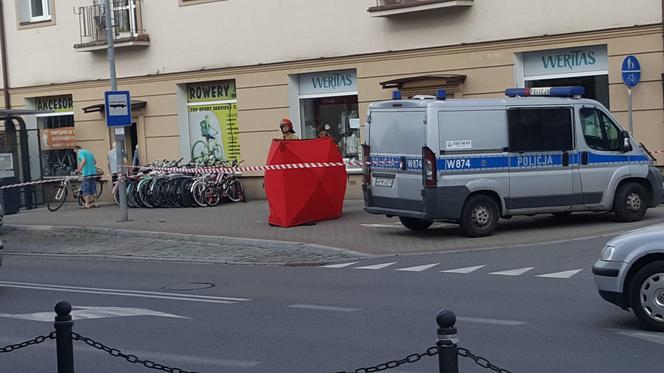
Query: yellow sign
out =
(214, 132)
(58, 104)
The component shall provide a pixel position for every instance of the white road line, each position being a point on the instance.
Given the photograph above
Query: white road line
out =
(317, 307)
(418, 268)
(512, 272)
(121, 293)
(463, 270)
(342, 265)
(4, 283)
(491, 321)
(82, 313)
(646, 336)
(377, 266)
(564, 274)
(396, 225)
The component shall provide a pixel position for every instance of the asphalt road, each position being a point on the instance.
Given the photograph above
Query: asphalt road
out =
(317, 319)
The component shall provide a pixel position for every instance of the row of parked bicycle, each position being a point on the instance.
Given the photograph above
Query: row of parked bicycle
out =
(155, 188)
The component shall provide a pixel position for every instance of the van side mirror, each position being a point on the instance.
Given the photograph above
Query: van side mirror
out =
(626, 143)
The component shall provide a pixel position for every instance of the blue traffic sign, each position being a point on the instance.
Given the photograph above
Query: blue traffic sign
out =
(118, 108)
(631, 71)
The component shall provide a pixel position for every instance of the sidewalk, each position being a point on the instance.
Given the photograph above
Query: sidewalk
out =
(245, 224)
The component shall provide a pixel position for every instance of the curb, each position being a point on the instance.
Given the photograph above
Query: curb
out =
(205, 239)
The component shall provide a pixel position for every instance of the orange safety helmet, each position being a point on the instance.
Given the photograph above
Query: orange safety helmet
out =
(288, 123)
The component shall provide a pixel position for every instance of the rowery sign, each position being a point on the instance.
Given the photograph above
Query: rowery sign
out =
(566, 61)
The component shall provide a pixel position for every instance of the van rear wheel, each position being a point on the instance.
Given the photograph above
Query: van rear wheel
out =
(630, 202)
(480, 216)
(415, 224)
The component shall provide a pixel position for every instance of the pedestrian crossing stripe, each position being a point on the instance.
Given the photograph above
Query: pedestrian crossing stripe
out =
(377, 266)
(564, 274)
(512, 272)
(418, 268)
(465, 270)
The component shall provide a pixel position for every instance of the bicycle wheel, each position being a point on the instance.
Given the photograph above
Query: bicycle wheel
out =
(143, 190)
(212, 196)
(234, 190)
(186, 195)
(198, 150)
(100, 188)
(198, 192)
(116, 194)
(57, 199)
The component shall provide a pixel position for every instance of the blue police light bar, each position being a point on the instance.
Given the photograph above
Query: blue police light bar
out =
(570, 91)
(441, 95)
(396, 95)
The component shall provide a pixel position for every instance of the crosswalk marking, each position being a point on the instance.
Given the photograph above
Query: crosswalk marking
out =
(512, 272)
(342, 265)
(418, 268)
(377, 266)
(564, 274)
(465, 270)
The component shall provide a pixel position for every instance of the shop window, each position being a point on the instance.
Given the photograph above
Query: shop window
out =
(596, 87)
(536, 130)
(337, 117)
(599, 130)
(57, 139)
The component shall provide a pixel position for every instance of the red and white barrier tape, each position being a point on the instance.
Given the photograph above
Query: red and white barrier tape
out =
(287, 166)
(32, 183)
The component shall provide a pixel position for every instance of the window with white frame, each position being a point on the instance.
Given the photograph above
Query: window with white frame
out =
(33, 11)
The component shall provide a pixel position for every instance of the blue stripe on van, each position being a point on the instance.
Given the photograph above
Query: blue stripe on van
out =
(499, 162)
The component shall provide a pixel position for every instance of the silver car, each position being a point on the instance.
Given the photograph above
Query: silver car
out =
(630, 274)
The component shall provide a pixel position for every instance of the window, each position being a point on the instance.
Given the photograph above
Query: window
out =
(34, 12)
(57, 140)
(540, 129)
(599, 130)
(336, 117)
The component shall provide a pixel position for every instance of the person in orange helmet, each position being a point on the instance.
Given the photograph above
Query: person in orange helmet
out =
(287, 129)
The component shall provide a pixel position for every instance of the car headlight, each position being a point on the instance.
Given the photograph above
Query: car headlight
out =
(607, 253)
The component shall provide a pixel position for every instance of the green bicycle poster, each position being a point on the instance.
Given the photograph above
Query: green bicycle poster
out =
(213, 131)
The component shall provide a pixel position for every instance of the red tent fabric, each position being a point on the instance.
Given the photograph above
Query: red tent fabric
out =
(302, 196)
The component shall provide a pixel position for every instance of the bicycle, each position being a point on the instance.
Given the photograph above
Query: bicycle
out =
(55, 202)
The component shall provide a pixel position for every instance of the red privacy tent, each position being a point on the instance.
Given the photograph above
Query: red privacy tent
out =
(301, 196)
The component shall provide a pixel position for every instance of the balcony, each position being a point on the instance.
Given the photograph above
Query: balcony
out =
(126, 21)
(387, 8)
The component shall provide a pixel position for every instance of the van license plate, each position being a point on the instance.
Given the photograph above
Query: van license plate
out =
(384, 182)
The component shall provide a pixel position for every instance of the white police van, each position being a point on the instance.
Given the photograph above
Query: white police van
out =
(472, 161)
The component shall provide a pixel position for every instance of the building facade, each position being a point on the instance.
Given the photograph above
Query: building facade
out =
(214, 78)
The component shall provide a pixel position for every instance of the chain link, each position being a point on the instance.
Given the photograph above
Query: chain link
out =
(32, 342)
(130, 358)
(410, 359)
(481, 361)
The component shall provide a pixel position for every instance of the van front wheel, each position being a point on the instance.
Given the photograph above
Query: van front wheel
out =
(480, 216)
(415, 224)
(630, 202)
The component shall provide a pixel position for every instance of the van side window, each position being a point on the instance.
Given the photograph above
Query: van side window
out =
(599, 130)
(540, 129)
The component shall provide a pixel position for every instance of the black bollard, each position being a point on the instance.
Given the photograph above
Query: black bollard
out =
(63, 341)
(448, 361)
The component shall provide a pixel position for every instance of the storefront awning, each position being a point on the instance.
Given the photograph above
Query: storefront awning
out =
(425, 80)
(11, 113)
(135, 105)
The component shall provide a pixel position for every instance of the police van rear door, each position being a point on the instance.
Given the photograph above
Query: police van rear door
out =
(396, 141)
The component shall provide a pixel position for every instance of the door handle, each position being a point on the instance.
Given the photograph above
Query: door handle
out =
(584, 158)
(565, 159)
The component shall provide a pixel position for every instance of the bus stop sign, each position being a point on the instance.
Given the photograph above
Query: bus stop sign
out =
(118, 108)
(631, 71)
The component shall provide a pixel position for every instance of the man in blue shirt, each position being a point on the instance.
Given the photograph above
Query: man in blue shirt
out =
(87, 166)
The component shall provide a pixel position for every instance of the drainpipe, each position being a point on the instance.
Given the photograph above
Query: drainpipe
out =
(3, 58)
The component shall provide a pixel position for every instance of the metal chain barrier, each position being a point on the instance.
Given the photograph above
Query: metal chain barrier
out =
(32, 342)
(410, 359)
(130, 358)
(483, 362)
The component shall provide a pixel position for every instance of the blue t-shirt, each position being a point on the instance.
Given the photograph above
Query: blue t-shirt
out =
(90, 169)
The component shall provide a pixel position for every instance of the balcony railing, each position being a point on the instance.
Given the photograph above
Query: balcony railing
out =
(386, 8)
(126, 21)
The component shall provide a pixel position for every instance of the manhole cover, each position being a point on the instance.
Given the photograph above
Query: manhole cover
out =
(190, 286)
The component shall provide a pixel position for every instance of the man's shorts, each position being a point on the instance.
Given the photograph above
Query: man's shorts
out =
(89, 186)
